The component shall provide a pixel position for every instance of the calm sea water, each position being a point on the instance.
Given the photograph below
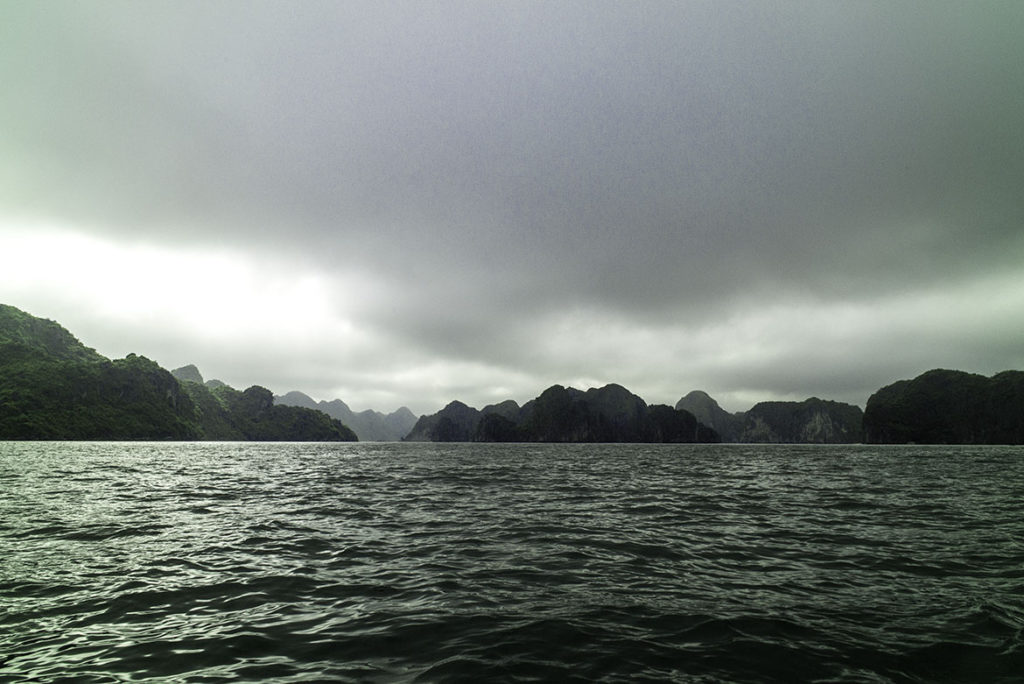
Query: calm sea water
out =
(427, 562)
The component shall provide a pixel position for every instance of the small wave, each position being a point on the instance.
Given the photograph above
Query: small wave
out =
(288, 563)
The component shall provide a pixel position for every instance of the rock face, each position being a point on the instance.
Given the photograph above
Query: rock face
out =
(707, 411)
(188, 373)
(370, 426)
(948, 407)
(607, 414)
(396, 424)
(564, 414)
(813, 421)
(677, 426)
(456, 422)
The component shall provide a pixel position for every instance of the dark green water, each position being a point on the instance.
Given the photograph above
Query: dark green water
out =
(426, 562)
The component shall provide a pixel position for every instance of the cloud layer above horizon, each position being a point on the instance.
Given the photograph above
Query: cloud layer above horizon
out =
(408, 203)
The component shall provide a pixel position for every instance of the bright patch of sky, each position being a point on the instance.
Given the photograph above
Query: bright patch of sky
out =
(404, 203)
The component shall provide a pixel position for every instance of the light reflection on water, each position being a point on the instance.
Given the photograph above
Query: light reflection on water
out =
(291, 562)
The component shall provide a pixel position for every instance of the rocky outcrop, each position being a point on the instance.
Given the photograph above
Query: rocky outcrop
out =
(607, 414)
(707, 411)
(456, 422)
(679, 426)
(188, 373)
(948, 407)
(394, 425)
(812, 421)
(564, 414)
(370, 426)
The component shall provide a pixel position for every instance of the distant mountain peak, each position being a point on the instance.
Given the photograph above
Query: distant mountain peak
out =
(699, 395)
(295, 398)
(369, 425)
(188, 373)
(564, 414)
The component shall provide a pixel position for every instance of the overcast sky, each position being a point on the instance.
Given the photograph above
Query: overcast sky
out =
(409, 203)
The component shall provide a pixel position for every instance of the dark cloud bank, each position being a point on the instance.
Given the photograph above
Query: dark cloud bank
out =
(760, 201)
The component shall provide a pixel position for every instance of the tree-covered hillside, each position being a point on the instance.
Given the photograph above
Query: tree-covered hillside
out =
(43, 397)
(41, 335)
(54, 387)
(225, 413)
(948, 407)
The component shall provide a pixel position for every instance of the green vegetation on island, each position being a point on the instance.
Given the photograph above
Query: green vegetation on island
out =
(948, 407)
(52, 387)
(225, 413)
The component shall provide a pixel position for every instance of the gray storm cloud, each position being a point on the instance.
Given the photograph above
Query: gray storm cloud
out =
(544, 192)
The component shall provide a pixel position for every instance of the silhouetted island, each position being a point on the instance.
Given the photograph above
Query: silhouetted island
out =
(948, 407)
(54, 387)
(564, 414)
(369, 425)
(812, 421)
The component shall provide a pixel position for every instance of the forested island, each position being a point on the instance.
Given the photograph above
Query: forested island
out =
(369, 425)
(565, 414)
(54, 387)
(812, 421)
(948, 407)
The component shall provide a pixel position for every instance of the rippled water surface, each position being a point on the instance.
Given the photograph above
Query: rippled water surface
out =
(427, 562)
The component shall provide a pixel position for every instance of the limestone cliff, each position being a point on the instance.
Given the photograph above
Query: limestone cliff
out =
(188, 373)
(456, 422)
(948, 407)
(565, 414)
(812, 421)
(707, 411)
(369, 425)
